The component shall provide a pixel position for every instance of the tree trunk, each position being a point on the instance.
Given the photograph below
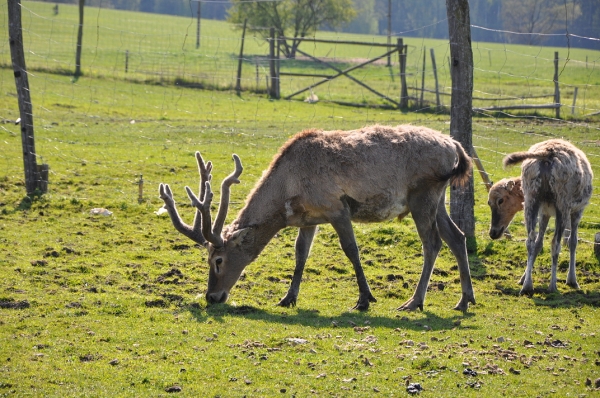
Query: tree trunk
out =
(79, 40)
(462, 199)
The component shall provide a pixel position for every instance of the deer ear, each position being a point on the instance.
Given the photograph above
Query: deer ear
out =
(510, 185)
(237, 236)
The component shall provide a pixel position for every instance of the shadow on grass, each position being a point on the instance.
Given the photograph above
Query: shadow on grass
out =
(312, 318)
(541, 297)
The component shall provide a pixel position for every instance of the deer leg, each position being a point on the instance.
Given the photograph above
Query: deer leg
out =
(571, 277)
(456, 241)
(423, 209)
(303, 245)
(343, 227)
(556, 246)
(533, 242)
(539, 241)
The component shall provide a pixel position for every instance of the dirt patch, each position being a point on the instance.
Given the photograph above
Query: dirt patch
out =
(9, 303)
(173, 276)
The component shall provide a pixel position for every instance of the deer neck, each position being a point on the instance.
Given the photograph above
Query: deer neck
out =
(262, 225)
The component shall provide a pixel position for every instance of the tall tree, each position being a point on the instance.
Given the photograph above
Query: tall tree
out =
(535, 17)
(147, 5)
(462, 199)
(588, 23)
(294, 18)
(366, 18)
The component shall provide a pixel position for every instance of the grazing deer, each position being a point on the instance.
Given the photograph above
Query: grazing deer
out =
(368, 175)
(556, 180)
(505, 200)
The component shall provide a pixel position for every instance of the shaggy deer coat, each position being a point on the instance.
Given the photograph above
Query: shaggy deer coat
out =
(368, 175)
(556, 181)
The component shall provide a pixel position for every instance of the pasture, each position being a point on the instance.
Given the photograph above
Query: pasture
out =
(94, 305)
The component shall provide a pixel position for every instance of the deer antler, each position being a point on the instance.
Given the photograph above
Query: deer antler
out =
(193, 232)
(232, 178)
(213, 235)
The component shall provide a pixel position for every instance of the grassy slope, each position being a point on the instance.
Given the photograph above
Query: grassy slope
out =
(129, 288)
(162, 48)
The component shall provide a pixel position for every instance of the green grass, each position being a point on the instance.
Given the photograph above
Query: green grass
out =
(162, 50)
(114, 306)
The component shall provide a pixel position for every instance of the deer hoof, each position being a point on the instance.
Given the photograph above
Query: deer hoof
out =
(574, 285)
(411, 305)
(527, 290)
(287, 302)
(364, 301)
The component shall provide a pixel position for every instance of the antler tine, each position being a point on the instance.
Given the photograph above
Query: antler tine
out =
(232, 178)
(193, 233)
(204, 169)
(204, 208)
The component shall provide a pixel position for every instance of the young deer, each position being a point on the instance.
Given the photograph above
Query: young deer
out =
(556, 181)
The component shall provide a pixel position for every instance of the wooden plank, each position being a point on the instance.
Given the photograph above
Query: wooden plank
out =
(358, 43)
(304, 74)
(484, 175)
(502, 108)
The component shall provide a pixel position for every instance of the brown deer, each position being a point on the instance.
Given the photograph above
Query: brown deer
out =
(368, 175)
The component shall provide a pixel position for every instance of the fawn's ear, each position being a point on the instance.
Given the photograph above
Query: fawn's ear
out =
(237, 236)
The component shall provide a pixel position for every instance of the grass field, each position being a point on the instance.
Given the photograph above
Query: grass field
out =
(114, 306)
(162, 49)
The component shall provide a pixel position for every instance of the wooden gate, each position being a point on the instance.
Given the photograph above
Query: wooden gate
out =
(276, 75)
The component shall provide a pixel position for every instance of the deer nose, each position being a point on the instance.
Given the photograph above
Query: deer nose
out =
(496, 233)
(215, 298)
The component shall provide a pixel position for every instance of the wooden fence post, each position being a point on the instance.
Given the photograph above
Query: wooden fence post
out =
(273, 89)
(423, 77)
(402, 49)
(198, 24)
(437, 91)
(574, 100)
(238, 82)
(556, 87)
(257, 74)
(462, 199)
(277, 66)
(79, 40)
(33, 180)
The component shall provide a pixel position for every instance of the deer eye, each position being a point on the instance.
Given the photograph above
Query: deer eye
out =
(218, 262)
(500, 201)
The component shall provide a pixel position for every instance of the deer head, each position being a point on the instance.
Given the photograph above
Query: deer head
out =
(505, 200)
(226, 255)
